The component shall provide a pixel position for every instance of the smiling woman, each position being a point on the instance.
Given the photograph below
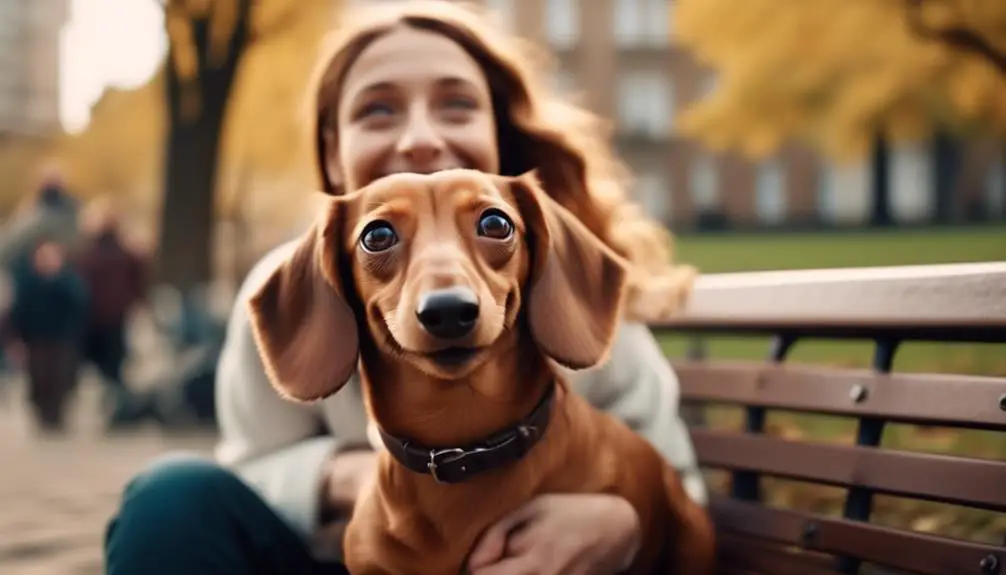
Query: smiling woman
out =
(106, 43)
(389, 104)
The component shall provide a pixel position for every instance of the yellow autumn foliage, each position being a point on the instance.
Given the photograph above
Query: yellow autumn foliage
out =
(836, 72)
(265, 129)
(21, 162)
(121, 151)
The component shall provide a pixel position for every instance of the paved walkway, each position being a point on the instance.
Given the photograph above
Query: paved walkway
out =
(57, 494)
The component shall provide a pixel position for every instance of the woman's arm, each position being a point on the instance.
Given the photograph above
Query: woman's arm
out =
(274, 444)
(638, 386)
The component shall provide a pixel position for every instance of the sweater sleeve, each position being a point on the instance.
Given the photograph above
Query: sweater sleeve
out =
(272, 443)
(638, 386)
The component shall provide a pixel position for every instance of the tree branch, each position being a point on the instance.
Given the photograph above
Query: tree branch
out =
(957, 37)
(289, 18)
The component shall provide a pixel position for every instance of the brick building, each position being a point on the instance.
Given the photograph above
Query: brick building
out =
(29, 66)
(619, 56)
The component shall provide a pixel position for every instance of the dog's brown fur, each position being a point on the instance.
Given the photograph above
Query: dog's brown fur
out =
(552, 292)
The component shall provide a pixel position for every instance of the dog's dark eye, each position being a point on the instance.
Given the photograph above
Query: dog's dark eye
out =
(378, 236)
(494, 224)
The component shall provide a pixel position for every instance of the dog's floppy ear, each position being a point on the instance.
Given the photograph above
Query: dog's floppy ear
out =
(306, 332)
(577, 283)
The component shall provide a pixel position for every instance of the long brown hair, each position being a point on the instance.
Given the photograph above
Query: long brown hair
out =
(536, 129)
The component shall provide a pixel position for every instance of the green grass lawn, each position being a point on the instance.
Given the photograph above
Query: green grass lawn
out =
(750, 252)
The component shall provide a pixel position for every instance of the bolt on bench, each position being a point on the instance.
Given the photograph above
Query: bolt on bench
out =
(887, 306)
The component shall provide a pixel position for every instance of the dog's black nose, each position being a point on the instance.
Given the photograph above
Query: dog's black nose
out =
(448, 313)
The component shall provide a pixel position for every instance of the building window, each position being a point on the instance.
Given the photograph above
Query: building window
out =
(654, 194)
(14, 15)
(501, 12)
(564, 81)
(827, 206)
(44, 14)
(41, 111)
(912, 182)
(9, 30)
(645, 104)
(562, 23)
(8, 117)
(844, 193)
(770, 192)
(642, 22)
(668, 103)
(705, 184)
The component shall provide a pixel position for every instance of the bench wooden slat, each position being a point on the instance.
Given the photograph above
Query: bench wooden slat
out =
(941, 302)
(969, 482)
(952, 400)
(744, 555)
(916, 552)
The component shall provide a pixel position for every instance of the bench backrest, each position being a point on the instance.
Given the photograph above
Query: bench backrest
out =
(962, 303)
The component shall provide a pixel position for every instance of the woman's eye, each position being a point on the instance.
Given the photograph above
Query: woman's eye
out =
(375, 109)
(457, 107)
(378, 237)
(461, 102)
(494, 224)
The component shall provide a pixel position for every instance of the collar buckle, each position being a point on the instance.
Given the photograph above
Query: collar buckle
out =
(440, 457)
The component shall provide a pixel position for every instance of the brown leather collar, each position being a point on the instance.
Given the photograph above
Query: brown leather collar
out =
(457, 464)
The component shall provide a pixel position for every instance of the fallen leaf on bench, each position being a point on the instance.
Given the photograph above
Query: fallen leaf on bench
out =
(929, 523)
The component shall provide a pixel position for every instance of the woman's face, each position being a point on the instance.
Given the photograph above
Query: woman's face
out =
(414, 101)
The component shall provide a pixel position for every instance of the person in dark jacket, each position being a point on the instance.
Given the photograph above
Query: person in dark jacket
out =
(50, 214)
(115, 276)
(47, 316)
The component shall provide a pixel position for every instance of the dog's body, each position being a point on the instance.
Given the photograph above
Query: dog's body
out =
(409, 521)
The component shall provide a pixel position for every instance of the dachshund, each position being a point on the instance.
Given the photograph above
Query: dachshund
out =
(455, 294)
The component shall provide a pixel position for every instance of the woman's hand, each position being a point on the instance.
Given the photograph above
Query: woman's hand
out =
(347, 475)
(561, 534)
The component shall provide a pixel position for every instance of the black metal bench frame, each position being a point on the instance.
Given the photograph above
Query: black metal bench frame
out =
(888, 306)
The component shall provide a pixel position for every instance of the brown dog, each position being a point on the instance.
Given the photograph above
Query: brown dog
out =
(453, 292)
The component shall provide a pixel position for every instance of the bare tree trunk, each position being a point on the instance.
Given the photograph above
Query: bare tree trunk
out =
(242, 255)
(193, 153)
(948, 175)
(880, 213)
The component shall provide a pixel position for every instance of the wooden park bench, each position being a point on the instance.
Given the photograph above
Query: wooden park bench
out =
(886, 306)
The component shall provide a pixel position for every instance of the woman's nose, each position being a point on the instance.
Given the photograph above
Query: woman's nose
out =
(420, 143)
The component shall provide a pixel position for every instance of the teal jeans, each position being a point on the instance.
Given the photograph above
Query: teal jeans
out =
(186, 516)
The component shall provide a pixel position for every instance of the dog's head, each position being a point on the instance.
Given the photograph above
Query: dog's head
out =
(437, 269)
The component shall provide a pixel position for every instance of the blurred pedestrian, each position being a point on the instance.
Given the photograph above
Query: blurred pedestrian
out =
(50, 213)
(47, 318)
(116, 277)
